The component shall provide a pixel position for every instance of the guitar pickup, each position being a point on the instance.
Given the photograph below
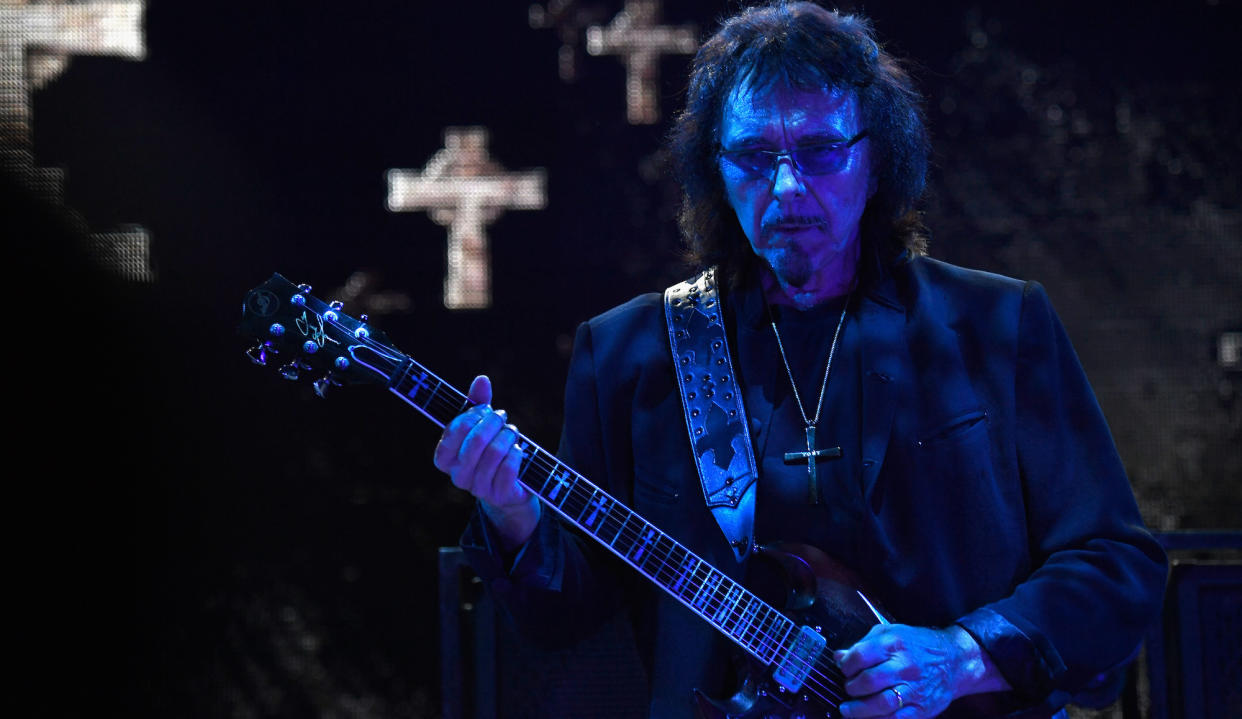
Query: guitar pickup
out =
(798, 662)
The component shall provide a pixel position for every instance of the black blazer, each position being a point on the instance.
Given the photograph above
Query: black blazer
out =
(997, 499)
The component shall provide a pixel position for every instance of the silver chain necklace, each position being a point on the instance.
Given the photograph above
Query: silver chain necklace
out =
(812, 455)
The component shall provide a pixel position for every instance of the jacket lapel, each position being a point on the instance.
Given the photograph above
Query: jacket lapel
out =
(885, 364)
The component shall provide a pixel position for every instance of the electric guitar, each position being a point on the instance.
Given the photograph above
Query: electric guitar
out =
(790, 646)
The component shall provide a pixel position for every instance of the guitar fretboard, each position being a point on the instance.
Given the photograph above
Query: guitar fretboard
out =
(749, 621)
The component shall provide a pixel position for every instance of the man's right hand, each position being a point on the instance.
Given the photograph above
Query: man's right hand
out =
(478, 451)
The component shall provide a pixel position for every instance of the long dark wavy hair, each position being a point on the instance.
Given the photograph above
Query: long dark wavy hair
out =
(806, 47)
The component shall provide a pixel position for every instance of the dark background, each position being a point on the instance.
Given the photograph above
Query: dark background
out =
(192, 536)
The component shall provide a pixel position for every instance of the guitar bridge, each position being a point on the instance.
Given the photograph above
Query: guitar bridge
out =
(797, 663)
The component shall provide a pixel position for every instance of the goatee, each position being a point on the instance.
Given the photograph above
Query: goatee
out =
(791, 266)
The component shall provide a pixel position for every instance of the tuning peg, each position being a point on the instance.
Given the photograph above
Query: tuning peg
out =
(303, 287)
(321, 385)
(290, 371)
(258, 354)
(293, 370)
(336, 305)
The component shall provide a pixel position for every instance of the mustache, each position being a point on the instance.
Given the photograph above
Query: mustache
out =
(794, 221)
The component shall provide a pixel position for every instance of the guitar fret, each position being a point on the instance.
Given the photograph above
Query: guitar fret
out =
(657, 554)
(625, 540)
(689, 565)
(598, 505)
(727, 605)
(559, 476)
(528, 457)
(417, 384)
(574, 503)
(787, 627)
(620, 525)
(646, 538)
(763, 626)
(664, 545)
(420, 387)
(745, 620)
(761, 637)
(720, 595)
(706, 585)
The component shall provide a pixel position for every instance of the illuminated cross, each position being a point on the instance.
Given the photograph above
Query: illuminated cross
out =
(463, 188)
(634, 35)
(598, 505)
(561, 479)
(36, 42)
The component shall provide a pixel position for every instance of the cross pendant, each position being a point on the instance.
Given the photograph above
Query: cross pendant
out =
(810, 457)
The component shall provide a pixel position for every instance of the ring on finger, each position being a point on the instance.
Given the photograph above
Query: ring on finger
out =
(900, 702)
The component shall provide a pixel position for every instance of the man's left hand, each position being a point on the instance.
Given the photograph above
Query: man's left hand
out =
(908, 672)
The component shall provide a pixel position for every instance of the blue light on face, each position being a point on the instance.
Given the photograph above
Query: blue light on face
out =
(362, 333)
(331, 316)
(341, 363)
(309, 347)
(298, 300)
(276, 330)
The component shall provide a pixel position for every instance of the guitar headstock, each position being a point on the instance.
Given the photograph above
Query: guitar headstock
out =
(305, 336)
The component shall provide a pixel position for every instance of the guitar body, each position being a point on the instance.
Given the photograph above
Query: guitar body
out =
(820, 593)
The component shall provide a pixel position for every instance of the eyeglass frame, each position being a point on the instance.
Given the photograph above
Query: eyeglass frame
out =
(845, 144)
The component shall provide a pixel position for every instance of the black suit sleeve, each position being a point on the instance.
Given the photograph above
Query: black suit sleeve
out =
(1100, 575)
(560, 586)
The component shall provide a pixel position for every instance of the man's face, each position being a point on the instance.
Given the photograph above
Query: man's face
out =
(804, 226)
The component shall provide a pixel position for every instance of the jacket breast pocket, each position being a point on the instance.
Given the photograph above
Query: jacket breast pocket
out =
(653, 487)
(958, 429)
(959, 451)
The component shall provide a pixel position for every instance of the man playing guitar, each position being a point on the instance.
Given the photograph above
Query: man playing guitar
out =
(926, 425)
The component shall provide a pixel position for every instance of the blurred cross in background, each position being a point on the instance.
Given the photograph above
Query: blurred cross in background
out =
(36, 42)
(464, 189)
(634, 35)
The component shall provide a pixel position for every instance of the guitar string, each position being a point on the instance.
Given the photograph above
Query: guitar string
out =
(717, 595)
(814, 677)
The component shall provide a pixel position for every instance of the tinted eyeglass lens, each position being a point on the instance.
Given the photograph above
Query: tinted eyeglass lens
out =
(814, 160)
(821, 159)
(824, 159)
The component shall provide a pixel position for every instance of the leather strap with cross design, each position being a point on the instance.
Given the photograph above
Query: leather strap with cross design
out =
(715, 415)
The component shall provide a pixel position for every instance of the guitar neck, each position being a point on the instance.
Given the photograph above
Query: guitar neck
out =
(753, 624)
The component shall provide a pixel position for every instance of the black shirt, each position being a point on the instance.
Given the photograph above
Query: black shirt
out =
(783, 511)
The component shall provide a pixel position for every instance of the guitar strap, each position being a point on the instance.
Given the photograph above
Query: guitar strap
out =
(715, 415)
